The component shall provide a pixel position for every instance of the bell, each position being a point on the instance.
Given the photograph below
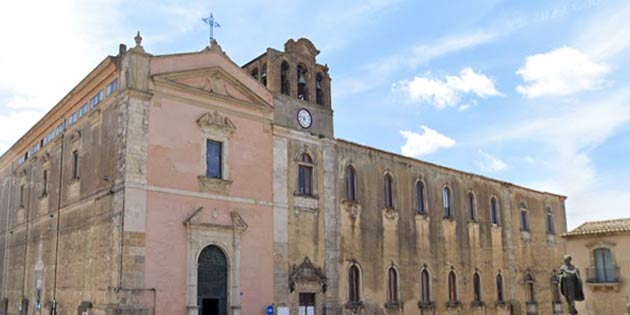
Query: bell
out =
(301, 78)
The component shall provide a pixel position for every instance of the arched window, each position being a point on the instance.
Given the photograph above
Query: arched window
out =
(420, 197)
(263, 74)
(530, 288)
(452, 288)
(476, 288)
(551, 229)
(319, 91)
(425, 287)
(446, 195)
(524, 217)
(605, 271)
(305, 174)
(471, 207)
(499, 280)
(301, 80)
(255, 73)
(388, 187)
(494, 211)
(555, 288)
(354, 284)
(392, 285)
(284, 78)
(350, 181)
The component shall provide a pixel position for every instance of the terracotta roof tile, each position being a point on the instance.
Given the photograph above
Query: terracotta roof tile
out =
(598, 227)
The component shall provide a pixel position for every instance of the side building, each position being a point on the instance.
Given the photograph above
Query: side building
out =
(600, 250)
(358, 230)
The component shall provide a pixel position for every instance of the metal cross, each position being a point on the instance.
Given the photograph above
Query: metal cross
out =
(211, 24)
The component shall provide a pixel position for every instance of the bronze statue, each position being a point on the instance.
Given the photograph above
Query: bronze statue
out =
(571, 284)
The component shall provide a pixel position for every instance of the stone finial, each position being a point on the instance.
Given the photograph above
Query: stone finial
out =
(138, 39)
(215, 47)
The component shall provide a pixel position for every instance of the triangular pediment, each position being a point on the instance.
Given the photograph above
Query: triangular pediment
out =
(214, 218)
(215, 82)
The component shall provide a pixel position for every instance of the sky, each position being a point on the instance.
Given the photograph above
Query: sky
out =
(530, 92)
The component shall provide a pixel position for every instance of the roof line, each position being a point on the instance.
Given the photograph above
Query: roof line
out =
(57, 106)
(449, 168)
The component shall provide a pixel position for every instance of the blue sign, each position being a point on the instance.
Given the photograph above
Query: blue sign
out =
(270, 310)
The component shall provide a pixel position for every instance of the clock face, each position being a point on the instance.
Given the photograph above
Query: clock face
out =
(304, 118)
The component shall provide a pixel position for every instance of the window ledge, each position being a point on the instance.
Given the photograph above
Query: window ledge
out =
(449, 218)
(215, 185)
(426, 305)
(422, 215)
(453, 304)
(390, 213)
(477, 304)
(393, 305)
(306, 202)
(354, 305)
(43, 196)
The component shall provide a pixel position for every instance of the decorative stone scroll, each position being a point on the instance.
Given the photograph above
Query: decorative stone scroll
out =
(214, 123)
(307, 273)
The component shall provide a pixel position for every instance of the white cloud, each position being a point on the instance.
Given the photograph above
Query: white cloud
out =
(488, 163)
(448, 91)
(14, 125)
(463, 107)
(56, 45)
(429, 141)
(379, 72)
(568, 138)
(562, 71)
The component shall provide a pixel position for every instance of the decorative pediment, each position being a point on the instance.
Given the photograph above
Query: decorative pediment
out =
(202, 217)
(307, 273)
(216, 123)
(220, 83)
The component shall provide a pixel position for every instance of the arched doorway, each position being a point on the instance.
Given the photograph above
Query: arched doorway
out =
(212, 282)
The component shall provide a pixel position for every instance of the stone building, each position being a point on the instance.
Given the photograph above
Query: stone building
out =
(600, 249)
(185, 184)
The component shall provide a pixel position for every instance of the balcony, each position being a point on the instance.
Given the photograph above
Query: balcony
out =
(606, 275)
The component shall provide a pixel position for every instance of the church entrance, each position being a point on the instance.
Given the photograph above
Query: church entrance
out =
(212, 282)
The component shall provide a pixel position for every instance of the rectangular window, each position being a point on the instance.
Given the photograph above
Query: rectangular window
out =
(307, 304)
(524, 220)
(83, 110)
(35, 148)
(45, 183)
(213, 159)
(75, 164)
(22, 196)
(51, 136)
(305, 180)
(112, 87)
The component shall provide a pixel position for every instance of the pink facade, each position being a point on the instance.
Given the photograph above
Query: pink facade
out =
(176, 160)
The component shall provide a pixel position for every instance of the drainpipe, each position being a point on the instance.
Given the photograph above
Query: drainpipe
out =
(60, 187)
(6, 235)
(27, 209)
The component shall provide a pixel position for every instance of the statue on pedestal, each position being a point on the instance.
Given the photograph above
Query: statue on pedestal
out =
(571, 284)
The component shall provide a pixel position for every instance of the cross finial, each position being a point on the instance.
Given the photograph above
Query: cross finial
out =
(138, 39)
(211, 25)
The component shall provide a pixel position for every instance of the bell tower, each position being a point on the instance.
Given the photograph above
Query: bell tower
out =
(301, 87)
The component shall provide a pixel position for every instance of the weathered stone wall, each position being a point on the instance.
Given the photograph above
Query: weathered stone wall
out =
(377, 238)
(70, 226)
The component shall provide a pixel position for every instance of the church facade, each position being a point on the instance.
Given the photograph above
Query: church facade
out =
(186, 184)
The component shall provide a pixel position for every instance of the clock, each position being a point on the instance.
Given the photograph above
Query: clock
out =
(304, 118)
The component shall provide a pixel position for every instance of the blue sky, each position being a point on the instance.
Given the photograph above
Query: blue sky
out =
(533, 92)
